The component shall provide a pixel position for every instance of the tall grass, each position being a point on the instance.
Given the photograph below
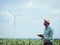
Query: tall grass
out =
(25, 42)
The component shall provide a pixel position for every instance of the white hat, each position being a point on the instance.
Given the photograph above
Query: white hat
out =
(47, 20)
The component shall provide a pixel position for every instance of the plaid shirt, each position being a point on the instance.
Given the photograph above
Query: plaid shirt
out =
(48, 34)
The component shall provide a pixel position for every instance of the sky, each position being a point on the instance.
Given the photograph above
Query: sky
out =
(24, 18)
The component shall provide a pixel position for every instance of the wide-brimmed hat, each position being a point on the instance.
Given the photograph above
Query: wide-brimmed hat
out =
(47, 20)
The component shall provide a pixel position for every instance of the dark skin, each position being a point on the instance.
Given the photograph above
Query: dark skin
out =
(46, 24)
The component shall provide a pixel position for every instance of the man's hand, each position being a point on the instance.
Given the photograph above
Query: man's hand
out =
(41, 35)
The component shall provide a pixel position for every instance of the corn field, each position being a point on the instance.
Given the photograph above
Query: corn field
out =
(25, 42)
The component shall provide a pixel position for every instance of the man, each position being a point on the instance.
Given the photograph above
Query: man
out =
(48, 33)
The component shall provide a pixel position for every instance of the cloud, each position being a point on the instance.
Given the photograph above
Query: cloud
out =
(45, 7)
(29, 4)
(56, 11)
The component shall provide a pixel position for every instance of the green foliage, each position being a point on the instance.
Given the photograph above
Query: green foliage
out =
(25, 42)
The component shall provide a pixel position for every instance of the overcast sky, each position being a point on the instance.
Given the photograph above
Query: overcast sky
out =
(29, 16)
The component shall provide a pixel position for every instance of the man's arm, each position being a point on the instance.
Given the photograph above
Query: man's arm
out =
(41, 35)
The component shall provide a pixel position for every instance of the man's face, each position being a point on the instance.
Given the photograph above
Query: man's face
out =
(46, 23)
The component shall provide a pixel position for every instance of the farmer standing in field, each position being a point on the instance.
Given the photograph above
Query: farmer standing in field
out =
(48, 33)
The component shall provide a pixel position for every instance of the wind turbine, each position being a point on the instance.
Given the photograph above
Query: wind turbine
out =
(15, 23)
